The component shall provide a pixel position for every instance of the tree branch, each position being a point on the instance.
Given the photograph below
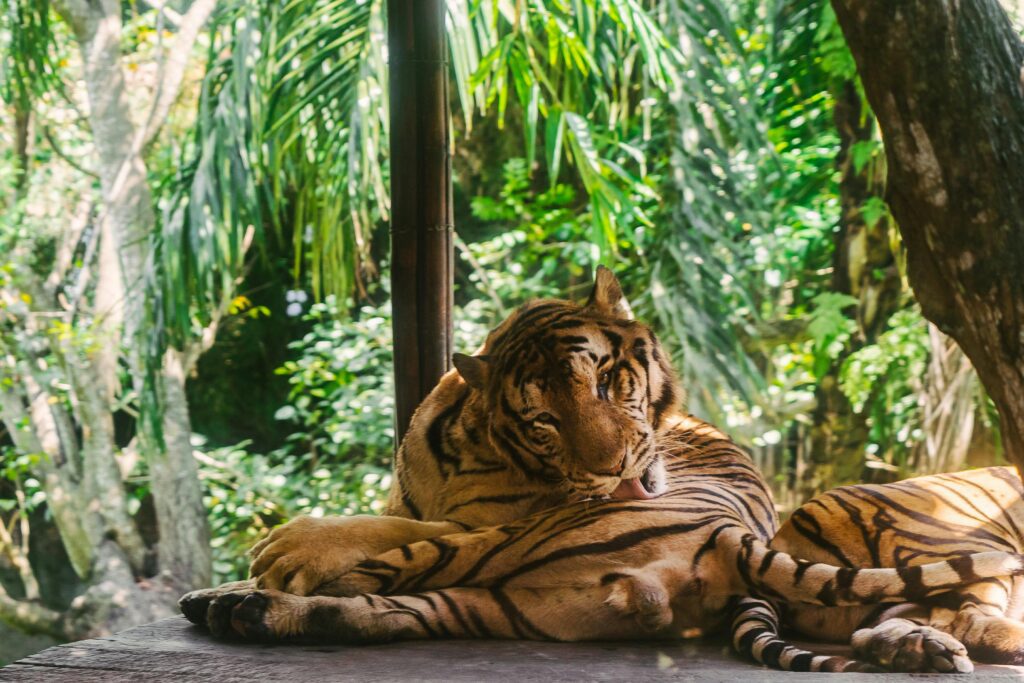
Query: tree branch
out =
(31, 617)
(17, 553)
(67, 158)
(102, 476)
(65, 256)
(172, 17)
(75, 12)
(174, 65)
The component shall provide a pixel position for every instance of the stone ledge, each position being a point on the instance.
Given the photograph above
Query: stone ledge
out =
(174, 650)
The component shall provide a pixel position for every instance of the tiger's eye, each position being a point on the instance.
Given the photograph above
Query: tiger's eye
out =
(544, 418)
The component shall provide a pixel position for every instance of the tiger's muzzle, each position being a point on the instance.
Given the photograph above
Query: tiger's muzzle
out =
(651, 484)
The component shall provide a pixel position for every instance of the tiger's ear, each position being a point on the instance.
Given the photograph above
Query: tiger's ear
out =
(607, 298)
(474, 369)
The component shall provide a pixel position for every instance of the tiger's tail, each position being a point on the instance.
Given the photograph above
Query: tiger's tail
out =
(775, 575)
(756, 634)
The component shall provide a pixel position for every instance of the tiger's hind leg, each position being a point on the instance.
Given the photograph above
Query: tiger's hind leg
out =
(926, 638)
(982, 625)
(975, 625)
(622, 609)
(902, 637)
(906, 645)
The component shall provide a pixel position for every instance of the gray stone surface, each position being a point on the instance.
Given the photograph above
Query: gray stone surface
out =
(174, 650)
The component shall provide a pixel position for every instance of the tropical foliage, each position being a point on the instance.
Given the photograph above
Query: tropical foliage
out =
(194, 281)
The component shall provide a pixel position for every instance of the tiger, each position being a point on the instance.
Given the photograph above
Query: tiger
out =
(910, 523)
(551, 487)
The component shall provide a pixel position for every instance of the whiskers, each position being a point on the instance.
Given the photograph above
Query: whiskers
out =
(676, 443)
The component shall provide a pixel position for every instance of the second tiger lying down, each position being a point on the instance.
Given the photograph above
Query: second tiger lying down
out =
(550, 489)
(912, 522)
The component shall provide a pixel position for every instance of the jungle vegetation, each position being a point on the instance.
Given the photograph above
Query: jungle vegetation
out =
(195, 335)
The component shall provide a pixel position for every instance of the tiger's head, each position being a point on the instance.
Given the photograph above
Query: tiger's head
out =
(577, 393)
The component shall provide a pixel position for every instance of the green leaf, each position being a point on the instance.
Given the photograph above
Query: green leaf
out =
(863, 151)
(828, 319)
(285, 413)
(873, 210)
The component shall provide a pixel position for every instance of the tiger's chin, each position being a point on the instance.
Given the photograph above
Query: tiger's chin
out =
(651, 484)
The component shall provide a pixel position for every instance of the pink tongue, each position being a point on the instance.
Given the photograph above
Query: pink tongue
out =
(631, 489)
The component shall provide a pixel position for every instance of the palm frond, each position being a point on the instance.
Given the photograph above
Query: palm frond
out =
(290, 138)
(731, 191)
(28, 66)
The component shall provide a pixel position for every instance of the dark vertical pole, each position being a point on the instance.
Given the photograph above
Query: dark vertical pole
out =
(421, 207)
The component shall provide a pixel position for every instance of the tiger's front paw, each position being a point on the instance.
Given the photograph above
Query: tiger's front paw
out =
(262, 615)
(901, 645)
(195, 604)
(308, 552)
(268, 616)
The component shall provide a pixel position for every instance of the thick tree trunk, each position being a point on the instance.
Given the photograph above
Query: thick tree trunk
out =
(944, 78)
(184, 548)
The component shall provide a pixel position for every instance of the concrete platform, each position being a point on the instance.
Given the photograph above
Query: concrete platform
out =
(174, 650)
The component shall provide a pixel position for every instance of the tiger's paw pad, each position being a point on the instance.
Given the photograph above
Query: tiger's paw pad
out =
(257, 615)
(249, 617)
(901, 645)
(218, 614)
(644, 597)
(196, 604)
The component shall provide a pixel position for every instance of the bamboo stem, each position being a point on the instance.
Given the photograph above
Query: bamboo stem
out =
(421, 190)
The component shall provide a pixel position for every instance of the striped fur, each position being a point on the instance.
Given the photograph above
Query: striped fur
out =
(756, 629)
(522, 508)
(907, 524)
(537, 431)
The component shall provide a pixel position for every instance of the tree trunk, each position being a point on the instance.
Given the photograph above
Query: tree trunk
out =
(944, 79)
(865, 265)
(421, 201)
(80, 465)
(183, 546)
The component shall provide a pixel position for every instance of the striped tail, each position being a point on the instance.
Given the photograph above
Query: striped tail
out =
(755, 634)
(775, 575)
